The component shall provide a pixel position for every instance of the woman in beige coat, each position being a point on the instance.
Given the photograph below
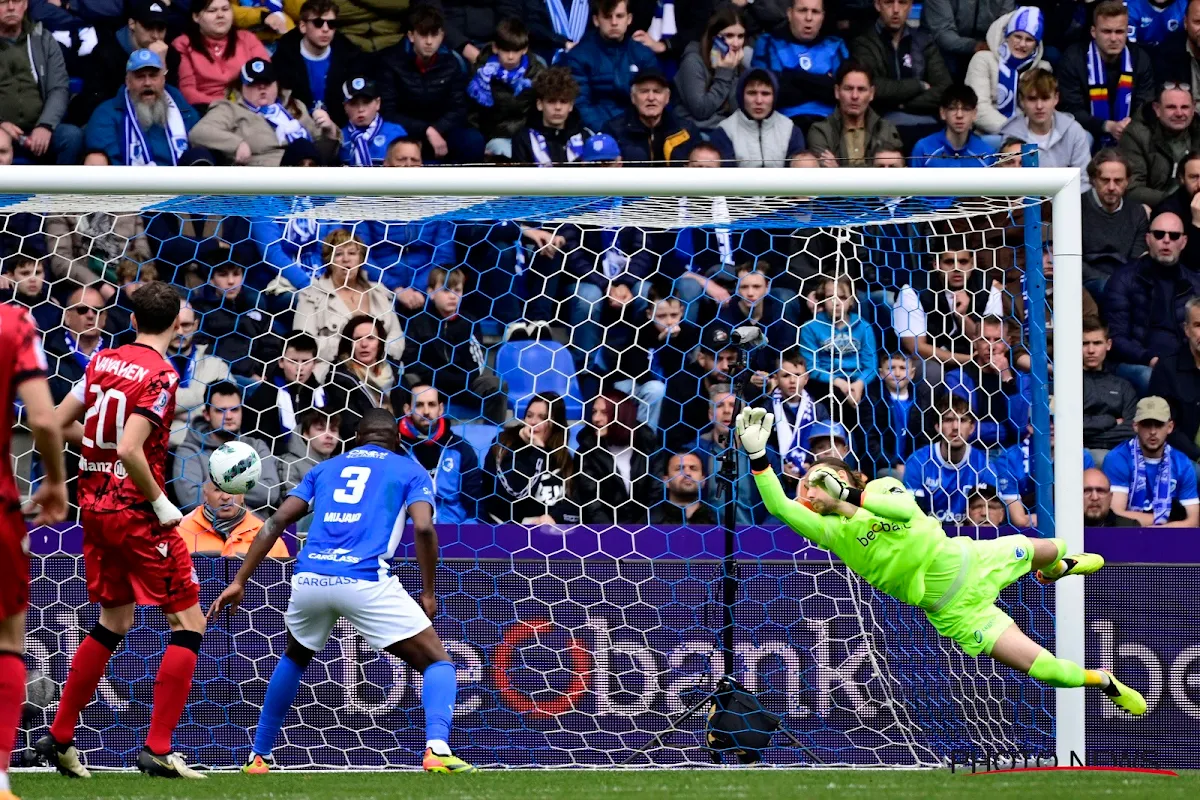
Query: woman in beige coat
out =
(325, 306)
(256, 125)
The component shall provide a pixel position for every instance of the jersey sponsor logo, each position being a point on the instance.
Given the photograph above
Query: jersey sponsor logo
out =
(448, 464)
(122, 369)
(324, 580)
(878, 528)
(116, 468)
(338, 516)
(338, 554)
(364, 453)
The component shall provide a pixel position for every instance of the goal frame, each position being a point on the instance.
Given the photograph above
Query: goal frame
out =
(1061, 185)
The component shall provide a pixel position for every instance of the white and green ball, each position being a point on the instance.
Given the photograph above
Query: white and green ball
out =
(235, 467)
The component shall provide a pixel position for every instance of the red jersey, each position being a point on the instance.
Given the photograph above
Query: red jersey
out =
(21, 357)
(133, 379)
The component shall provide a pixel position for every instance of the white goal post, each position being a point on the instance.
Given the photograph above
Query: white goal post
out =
(62, 189)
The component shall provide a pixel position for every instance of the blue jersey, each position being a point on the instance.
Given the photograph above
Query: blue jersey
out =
(375, 143)
(1015, 473)
(359, 502)
(943, 489)
(1151, 24)
(782, 54)
(935, 150)
(1118, 466)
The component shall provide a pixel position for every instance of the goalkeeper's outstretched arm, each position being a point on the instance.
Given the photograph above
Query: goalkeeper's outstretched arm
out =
(754, 430)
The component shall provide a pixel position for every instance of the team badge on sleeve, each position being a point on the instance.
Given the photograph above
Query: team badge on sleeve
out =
(160, 405)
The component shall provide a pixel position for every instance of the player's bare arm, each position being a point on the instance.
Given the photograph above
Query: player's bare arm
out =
(69, 413)
(291, 511)
(50, 499)
(133, 457)
(425, 537)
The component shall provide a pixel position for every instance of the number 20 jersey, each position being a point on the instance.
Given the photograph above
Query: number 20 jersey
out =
(359, 502)
(127, 380)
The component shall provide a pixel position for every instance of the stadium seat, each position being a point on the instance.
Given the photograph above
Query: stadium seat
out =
(481, 436)
(531, 367)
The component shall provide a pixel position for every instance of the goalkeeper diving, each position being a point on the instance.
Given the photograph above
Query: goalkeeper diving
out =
(879, 532)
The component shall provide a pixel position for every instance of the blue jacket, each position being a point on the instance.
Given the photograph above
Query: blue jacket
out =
(847, 351)
(403, 253)
(378, 144)
(295, 251)
(1143, 303)
(453, 466)
(106, 129)
(604, 71)
(936, 151)
(804, 69)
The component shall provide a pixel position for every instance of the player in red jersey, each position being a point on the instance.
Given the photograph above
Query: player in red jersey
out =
(23, 376)
(131, 550)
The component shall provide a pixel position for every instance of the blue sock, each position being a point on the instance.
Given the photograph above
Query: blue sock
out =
(281, 692)
(438, 691)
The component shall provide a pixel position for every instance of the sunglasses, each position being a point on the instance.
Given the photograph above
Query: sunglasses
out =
(1169, 85)
(1174, 236)
(318, 22)
(81, 309)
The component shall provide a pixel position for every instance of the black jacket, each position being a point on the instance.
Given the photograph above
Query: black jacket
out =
(1072, 73)
(1107, 398)
(667, 513)
(352, 399)
(1114, 520)
(1143, 303)
(669, 142)
(345, 62)
(521, 483)
(629, 338)
(418, 99)
(1177, 380)
(103, 73)
(260, 414)
(556, 140)
(685, 407)
(443, 352)
(599, 489)
(239, 328)
(509, 111)
(473, 21)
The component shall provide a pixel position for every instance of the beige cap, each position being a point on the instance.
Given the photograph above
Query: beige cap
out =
(1154, 408)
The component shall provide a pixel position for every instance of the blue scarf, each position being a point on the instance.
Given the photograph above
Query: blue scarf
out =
(1160, 504)
(1098, 86)
(1027, 19)
(360, 141)
(137, 150)
(81, 358)
(287, 128)
(573, 25)
(480, 87)
(541, 151)
(898, 416)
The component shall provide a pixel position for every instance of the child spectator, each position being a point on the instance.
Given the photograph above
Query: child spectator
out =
(367, 134)
(795, 411)
(288, 390)
(555, 135)
(1061, 141)
(211, 52)
(1109, 401)
(885, 416)
(1152, 482)
(841, 345)
(756, 304)
(444, 353)
(26, 278)
(1014, 48)
(453, 466)
(318, 440)
(500, 94)
(956, 145)
(944, 474)
(757, 135)
(528, 473)
(707, 79)
(604, 63)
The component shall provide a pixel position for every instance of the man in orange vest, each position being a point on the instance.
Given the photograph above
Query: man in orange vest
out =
(221, 525)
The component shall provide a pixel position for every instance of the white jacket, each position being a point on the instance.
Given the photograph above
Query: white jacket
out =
(983, 75)
(321, 314)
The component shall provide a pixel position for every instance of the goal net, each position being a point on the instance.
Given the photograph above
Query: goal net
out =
(896, 310)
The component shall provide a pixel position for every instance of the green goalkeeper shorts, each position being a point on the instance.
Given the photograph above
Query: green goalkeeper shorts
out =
(963, 583)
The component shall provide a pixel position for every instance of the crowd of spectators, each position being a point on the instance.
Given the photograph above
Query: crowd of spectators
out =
(908, 361)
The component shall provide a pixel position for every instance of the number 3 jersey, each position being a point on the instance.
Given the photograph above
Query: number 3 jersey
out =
(359, 502)
(132, 379)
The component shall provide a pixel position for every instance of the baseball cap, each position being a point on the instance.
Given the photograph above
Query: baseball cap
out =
(715, 339)
(143, 59)
(601, 147)
(148, 13)
(652, 74)
(1152, 408)
(359, 87)
(258, 70)
(831, 430)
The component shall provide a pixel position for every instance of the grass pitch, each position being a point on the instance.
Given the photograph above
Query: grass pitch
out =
(722, 784)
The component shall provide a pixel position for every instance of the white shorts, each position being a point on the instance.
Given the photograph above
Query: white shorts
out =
(381, 611)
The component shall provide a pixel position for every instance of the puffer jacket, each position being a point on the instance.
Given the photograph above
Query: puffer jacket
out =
(667, 143)
(228, 123)
(598, 487)
(983, 75)
(420, 98)
(604, 71)
(770, 142)
(1143, 303)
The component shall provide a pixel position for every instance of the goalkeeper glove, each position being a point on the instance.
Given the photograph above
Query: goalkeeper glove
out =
(754, 429)
(827, 479)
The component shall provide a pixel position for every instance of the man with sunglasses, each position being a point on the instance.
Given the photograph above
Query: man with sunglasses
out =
(70, 347)
(1155, 143)
(1145, 302)
(314, 60)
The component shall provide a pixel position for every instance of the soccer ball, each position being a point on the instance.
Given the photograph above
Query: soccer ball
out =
(235, 467)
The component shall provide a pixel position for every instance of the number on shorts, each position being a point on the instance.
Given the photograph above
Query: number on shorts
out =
(356, 484)
(112, 400)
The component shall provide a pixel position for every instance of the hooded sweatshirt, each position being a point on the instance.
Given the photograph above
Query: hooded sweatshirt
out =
(757, 143)
(1068, 146)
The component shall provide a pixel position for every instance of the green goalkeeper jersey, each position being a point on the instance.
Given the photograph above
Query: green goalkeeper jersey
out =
(889, 542)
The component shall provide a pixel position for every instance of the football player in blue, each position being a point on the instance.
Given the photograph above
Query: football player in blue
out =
(360, 501)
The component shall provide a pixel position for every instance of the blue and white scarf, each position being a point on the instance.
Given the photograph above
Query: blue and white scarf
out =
(81, 358)
(793, 438)
(360, 142)
(1029, 20)
(137, 150)
(573, 25)
(663, 25)
(185, 366)
(541, 152)
(287, 129)
(1160, 503)
(480, 87)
